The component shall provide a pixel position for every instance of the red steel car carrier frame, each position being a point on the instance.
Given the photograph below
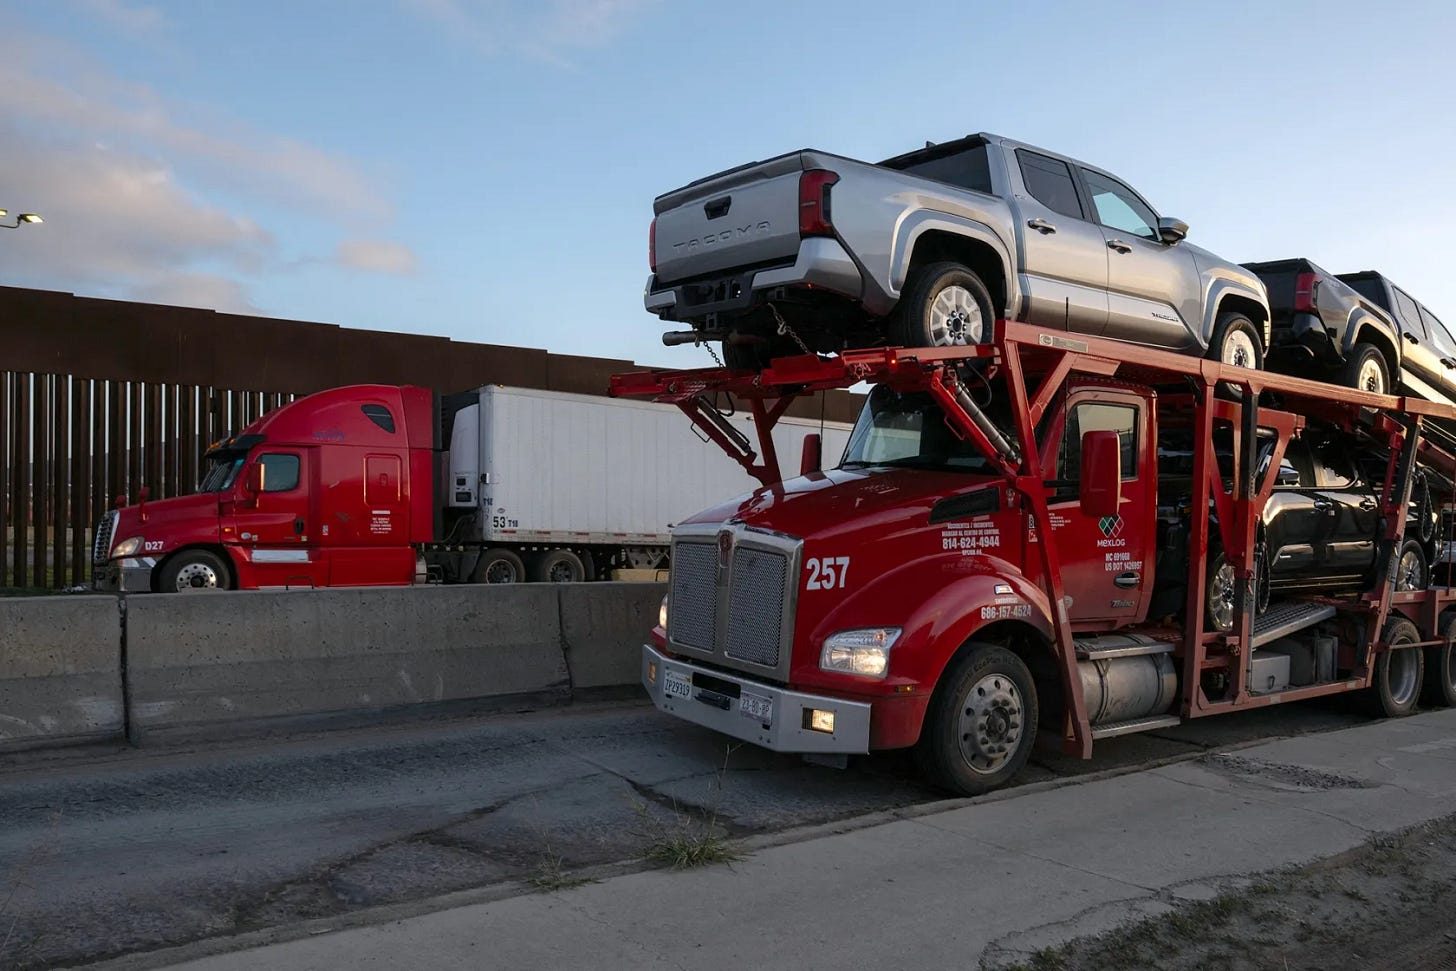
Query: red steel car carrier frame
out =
(1036, 363)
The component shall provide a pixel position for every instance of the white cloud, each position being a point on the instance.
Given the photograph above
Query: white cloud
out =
(132, 18)
(205, 290)
(376, 256)
(548, 30)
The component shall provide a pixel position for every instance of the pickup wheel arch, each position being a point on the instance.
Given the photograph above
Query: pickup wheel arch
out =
(1368, 330)
(1227, 296)
(931, 237)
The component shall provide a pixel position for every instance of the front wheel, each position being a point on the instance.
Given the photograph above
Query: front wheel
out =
(982, 721)
(194, 570)
(944, 305)
(1411, 572)
(1236, 342)
(1399, 671)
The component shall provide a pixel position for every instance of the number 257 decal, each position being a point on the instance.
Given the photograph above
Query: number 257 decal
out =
(827, 573)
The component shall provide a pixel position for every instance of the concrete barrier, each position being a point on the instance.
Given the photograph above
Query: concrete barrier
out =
(60, 676)
(199, 659)
(603, 626)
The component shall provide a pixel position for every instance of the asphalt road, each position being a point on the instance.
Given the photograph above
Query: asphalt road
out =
(107, 852)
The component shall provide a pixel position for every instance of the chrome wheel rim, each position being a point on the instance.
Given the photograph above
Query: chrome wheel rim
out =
(955, 319)
(500, 571)
(1371, 377)
(197, 576)
(1409, 573)
(1221, 596)
(1238, 350)
(1401, 675)
(991, 723)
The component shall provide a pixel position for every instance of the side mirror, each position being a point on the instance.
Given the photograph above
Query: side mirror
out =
(1101, 484)
(1172, 231)
(253, 481)
(813, 454)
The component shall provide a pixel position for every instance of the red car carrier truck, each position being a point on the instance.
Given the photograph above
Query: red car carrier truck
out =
(1056, 533)
(378, 484)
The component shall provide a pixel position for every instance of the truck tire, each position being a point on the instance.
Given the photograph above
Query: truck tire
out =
(1440, 687)
(557, 566)
(982, 720)
(1365, 370)
(499, 566)
(1411, 572)
(943, 305)
(194, 570)
(1396, 682)
(1236, 341)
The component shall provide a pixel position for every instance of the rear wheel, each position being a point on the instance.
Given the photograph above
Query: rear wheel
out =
(557, 566)
(499, 566)
(1440, 685)
(944, 305)
(1399, 672)
(195, 570)
(1365, 370)
(982, 721)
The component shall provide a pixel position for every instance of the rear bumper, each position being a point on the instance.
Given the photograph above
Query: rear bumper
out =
(784, 731)
(822, 263)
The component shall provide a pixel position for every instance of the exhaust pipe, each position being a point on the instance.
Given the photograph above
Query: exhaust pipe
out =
(675, 337)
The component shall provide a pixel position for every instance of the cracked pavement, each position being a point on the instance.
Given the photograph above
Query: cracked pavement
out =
(107, 852)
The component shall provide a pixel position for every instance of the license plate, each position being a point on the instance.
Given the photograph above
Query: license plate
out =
(757, 707)
(676, 685)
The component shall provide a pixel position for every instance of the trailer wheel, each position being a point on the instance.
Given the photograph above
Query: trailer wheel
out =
(1236, 341)
(499, 566)
(1399, 672)
(982, 721)
(557, 566)
(194, 570)
(944, 305)
(1440, 686)
(1365, 370)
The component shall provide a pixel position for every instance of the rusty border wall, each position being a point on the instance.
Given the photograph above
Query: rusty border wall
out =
(99, 398)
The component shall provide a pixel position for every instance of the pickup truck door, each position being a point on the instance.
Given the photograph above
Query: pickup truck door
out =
(1063, 255)
(1105, 568)
(1154, 293)
(1420, 355)
(1351, 517)
(1292, 518)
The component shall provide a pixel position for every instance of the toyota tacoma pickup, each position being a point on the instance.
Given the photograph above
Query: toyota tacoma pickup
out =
(814, 252)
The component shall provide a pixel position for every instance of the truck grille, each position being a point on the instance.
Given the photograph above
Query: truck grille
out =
(743, 616)
(101, 544)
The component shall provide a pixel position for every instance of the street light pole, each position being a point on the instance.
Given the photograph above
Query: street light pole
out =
(20, 220)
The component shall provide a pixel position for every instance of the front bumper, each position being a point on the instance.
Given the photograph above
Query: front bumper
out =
(822, 263)
(132, 575)
(712, 703)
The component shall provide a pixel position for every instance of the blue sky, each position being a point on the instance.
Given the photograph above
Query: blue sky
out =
(484, 169)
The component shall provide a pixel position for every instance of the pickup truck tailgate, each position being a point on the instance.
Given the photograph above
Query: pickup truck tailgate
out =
(738, 218)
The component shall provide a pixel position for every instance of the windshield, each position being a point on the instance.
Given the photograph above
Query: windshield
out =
(222, 472)
(909, 431)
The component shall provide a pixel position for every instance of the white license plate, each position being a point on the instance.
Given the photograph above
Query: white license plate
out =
(676, 685)
(757, 707)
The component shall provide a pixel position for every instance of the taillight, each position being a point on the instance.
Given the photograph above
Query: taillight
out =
(1306, 292)
(814, 202)
(652, 246)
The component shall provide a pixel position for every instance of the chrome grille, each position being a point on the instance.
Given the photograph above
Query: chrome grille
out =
(693, 616)
(756, 606)
(101, 545)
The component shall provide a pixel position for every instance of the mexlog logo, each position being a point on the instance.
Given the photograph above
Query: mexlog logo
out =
(1111, 528)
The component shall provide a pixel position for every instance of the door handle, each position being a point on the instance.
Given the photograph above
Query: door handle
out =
(1448, 362)
(1126, 580)
(1323, 504)
(1411, 337)
(1367, 504)
(1119, 245)
(298, 526)
(1041, 226)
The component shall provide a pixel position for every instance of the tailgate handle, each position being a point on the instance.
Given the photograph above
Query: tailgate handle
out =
(717, 207)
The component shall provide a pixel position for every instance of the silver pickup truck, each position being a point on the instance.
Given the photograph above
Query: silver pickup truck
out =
(813, 251)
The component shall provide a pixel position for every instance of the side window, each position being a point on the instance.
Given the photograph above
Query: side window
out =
(380, 416)
(1408, 312)
(1118, 207)
(280, 472)
(1333, 468)
(1438, 333)
(1098, 417)
(1050, 183)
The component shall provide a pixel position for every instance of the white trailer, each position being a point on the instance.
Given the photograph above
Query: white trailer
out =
(552, 486)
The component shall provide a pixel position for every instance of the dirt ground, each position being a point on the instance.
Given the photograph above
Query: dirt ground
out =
(1389, 905)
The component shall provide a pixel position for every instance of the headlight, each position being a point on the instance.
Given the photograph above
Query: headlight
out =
(127, 547)
(863, 652)
(662, 614)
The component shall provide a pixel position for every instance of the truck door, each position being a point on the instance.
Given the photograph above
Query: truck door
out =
(1349, 507)
(384, 497)
(1105, 570)
(1064, 257)
(1154, 294)
(275, 523)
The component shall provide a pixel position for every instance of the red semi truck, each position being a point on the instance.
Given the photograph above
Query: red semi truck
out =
(375, 484)
(997, 556)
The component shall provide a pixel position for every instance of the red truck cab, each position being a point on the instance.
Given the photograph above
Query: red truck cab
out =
(335, 489)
